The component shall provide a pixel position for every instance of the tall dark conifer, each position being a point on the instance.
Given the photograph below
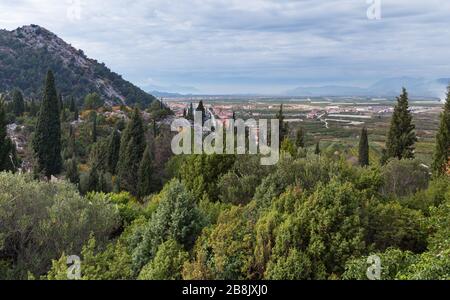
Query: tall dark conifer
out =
(132, 146)
(72, 143)
(72, 105)
(300, 138)
(401, 137)
(61, 103)
(146, 184)
(7, 148)
(47, 139)
(94, 127)
(317, 150)
(19, 103)
(201, 108)
(284, 129)
(190, 112)
(113, 150)
(363, 148)
(442, 151)
(76, 114)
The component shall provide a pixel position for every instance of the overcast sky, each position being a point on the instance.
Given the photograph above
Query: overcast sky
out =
(248, 46)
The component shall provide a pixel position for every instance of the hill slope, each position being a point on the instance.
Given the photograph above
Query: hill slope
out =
(28, 52)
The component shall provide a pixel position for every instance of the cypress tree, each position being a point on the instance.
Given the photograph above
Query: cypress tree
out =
(201, 108)
(363, 148)
(113, 150)
(4, 143)
(284, 129)
(19, 103)
(76, 114)
(442, 151)
(72, 145)
(94, 127)
(190, 113)
(47, 139)
(7, 148)
(61, 103)
(132, 147)
(72, 105)
(317, 150)
(401, 136)
(300, 138)
(154, 129)
(146, 184)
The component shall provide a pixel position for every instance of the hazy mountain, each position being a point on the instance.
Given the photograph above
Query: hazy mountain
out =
(388, 87)
(330, 90)
(28, 52)
(166, 94)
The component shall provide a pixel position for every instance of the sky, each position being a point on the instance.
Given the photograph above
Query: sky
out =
(249, 46)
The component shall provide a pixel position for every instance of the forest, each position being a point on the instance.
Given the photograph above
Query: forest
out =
(101, 183)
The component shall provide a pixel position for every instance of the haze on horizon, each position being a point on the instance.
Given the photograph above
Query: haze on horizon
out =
(252, 46)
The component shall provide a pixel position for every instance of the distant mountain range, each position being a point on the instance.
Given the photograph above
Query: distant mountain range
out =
(167, 94)
(28, 52)
(389, 87)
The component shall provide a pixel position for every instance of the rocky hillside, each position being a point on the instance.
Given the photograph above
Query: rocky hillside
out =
(28, 52)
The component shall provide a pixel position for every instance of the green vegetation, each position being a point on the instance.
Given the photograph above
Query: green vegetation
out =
(131, 210)
(8, 160)
(442, 152)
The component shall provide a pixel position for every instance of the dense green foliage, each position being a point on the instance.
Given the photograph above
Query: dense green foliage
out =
(93, 101)
(177, 217)
(46, 219)
(131, 210)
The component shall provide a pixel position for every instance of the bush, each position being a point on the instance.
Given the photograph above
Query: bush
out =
(41, 220)
(167, 264)
(404, 177)
(177, 217)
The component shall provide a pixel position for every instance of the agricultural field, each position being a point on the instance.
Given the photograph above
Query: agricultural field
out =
(335, 122)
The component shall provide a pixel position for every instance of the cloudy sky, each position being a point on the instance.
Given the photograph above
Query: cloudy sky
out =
(249, 46)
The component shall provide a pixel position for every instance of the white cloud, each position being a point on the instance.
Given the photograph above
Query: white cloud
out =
(234, 45)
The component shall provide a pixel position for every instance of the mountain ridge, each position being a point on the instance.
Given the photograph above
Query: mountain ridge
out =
(27, 52)
(388, 87)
